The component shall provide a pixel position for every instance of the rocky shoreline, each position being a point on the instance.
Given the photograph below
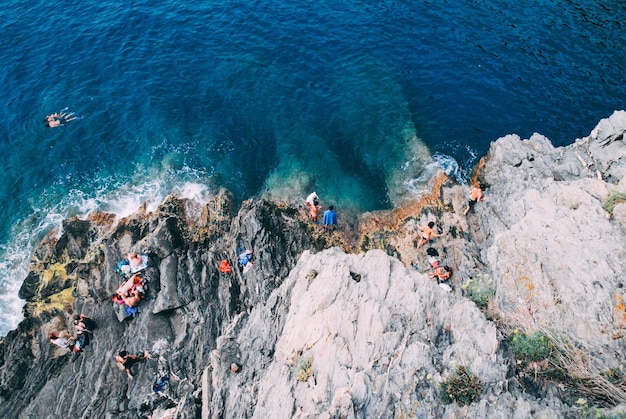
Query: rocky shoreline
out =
(348, 324)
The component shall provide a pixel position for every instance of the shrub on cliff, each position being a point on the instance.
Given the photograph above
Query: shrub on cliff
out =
(302, 368)
(612, 200)
(480, 290)
(461, 387)
(531, 348)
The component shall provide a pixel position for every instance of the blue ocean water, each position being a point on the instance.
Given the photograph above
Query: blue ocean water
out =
(356, 100)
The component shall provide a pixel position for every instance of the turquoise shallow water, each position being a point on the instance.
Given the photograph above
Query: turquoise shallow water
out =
(357, 101)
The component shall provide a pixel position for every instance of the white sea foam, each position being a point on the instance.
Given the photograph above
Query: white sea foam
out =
(415, 187)
(13, 270)
(15, 257)
(448, 165)
(194, 191)
(126, 199)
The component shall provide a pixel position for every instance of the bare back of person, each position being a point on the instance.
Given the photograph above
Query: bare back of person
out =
(476, 194)
(427, 233)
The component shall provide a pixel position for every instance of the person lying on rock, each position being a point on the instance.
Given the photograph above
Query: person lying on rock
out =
(62, 340)
(127, 286)
(427, 234)
(126, 361)
(476, 195)
(137, 262)
(133, 299)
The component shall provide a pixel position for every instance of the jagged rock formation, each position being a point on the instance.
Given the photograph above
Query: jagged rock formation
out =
(315, 331)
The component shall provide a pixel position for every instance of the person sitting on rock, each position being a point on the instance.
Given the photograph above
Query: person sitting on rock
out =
(160, 383)
(126, 361)
(83, 324)
(246, 260)
(82, 340)
(476, 195)
(442, 273)
(62, 340)
(427, 233)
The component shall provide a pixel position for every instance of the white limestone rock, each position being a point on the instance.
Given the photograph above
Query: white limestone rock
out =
(379, 344)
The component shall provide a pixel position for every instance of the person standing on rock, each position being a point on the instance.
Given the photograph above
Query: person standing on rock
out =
(126, 361)
(476, 195)
(427, 233)
(330, 218)
(313, 206)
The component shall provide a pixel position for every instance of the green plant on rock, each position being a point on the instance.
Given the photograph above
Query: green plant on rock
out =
(588, 412)
(480, 290)
(461, 387)
(531, 348)
(304, 369)
(612, 200)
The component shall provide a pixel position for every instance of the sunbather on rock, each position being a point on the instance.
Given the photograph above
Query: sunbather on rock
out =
(442, 273)
(130, 284)
(126, 361)
(82, 323)
(136, 263)
(133, 299)
(62, 339)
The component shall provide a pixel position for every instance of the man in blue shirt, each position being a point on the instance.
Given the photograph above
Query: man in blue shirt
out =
(330, 219)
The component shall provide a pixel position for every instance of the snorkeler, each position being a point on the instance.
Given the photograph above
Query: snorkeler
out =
(58, 119)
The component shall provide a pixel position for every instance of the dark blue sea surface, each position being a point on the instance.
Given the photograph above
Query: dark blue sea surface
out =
(356, 100)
